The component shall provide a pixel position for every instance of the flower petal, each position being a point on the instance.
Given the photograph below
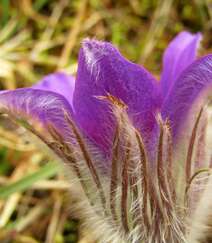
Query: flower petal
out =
(180, 53)
(60, 83)
(37, 106)
(194, 83)
(103, 70)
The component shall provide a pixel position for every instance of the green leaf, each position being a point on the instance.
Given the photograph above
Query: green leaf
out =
(47, 171)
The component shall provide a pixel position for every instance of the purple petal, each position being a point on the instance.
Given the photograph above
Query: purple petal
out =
(103, 70)
(189, 90)
(60, 83)
(180, 53)
(37, 106)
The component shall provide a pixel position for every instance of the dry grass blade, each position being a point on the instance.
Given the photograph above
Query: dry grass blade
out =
(72, 36)
(28, 10)
(12, 202)
(30, 218)
(52, 228)
(156, 29)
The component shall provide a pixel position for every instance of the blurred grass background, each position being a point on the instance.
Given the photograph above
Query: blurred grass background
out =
(42, 36)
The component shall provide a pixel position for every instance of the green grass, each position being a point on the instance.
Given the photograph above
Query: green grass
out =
(45, 172)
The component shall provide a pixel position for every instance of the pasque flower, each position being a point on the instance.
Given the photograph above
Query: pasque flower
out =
(137, 146)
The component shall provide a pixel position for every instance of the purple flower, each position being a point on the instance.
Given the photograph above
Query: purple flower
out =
(121, 132)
